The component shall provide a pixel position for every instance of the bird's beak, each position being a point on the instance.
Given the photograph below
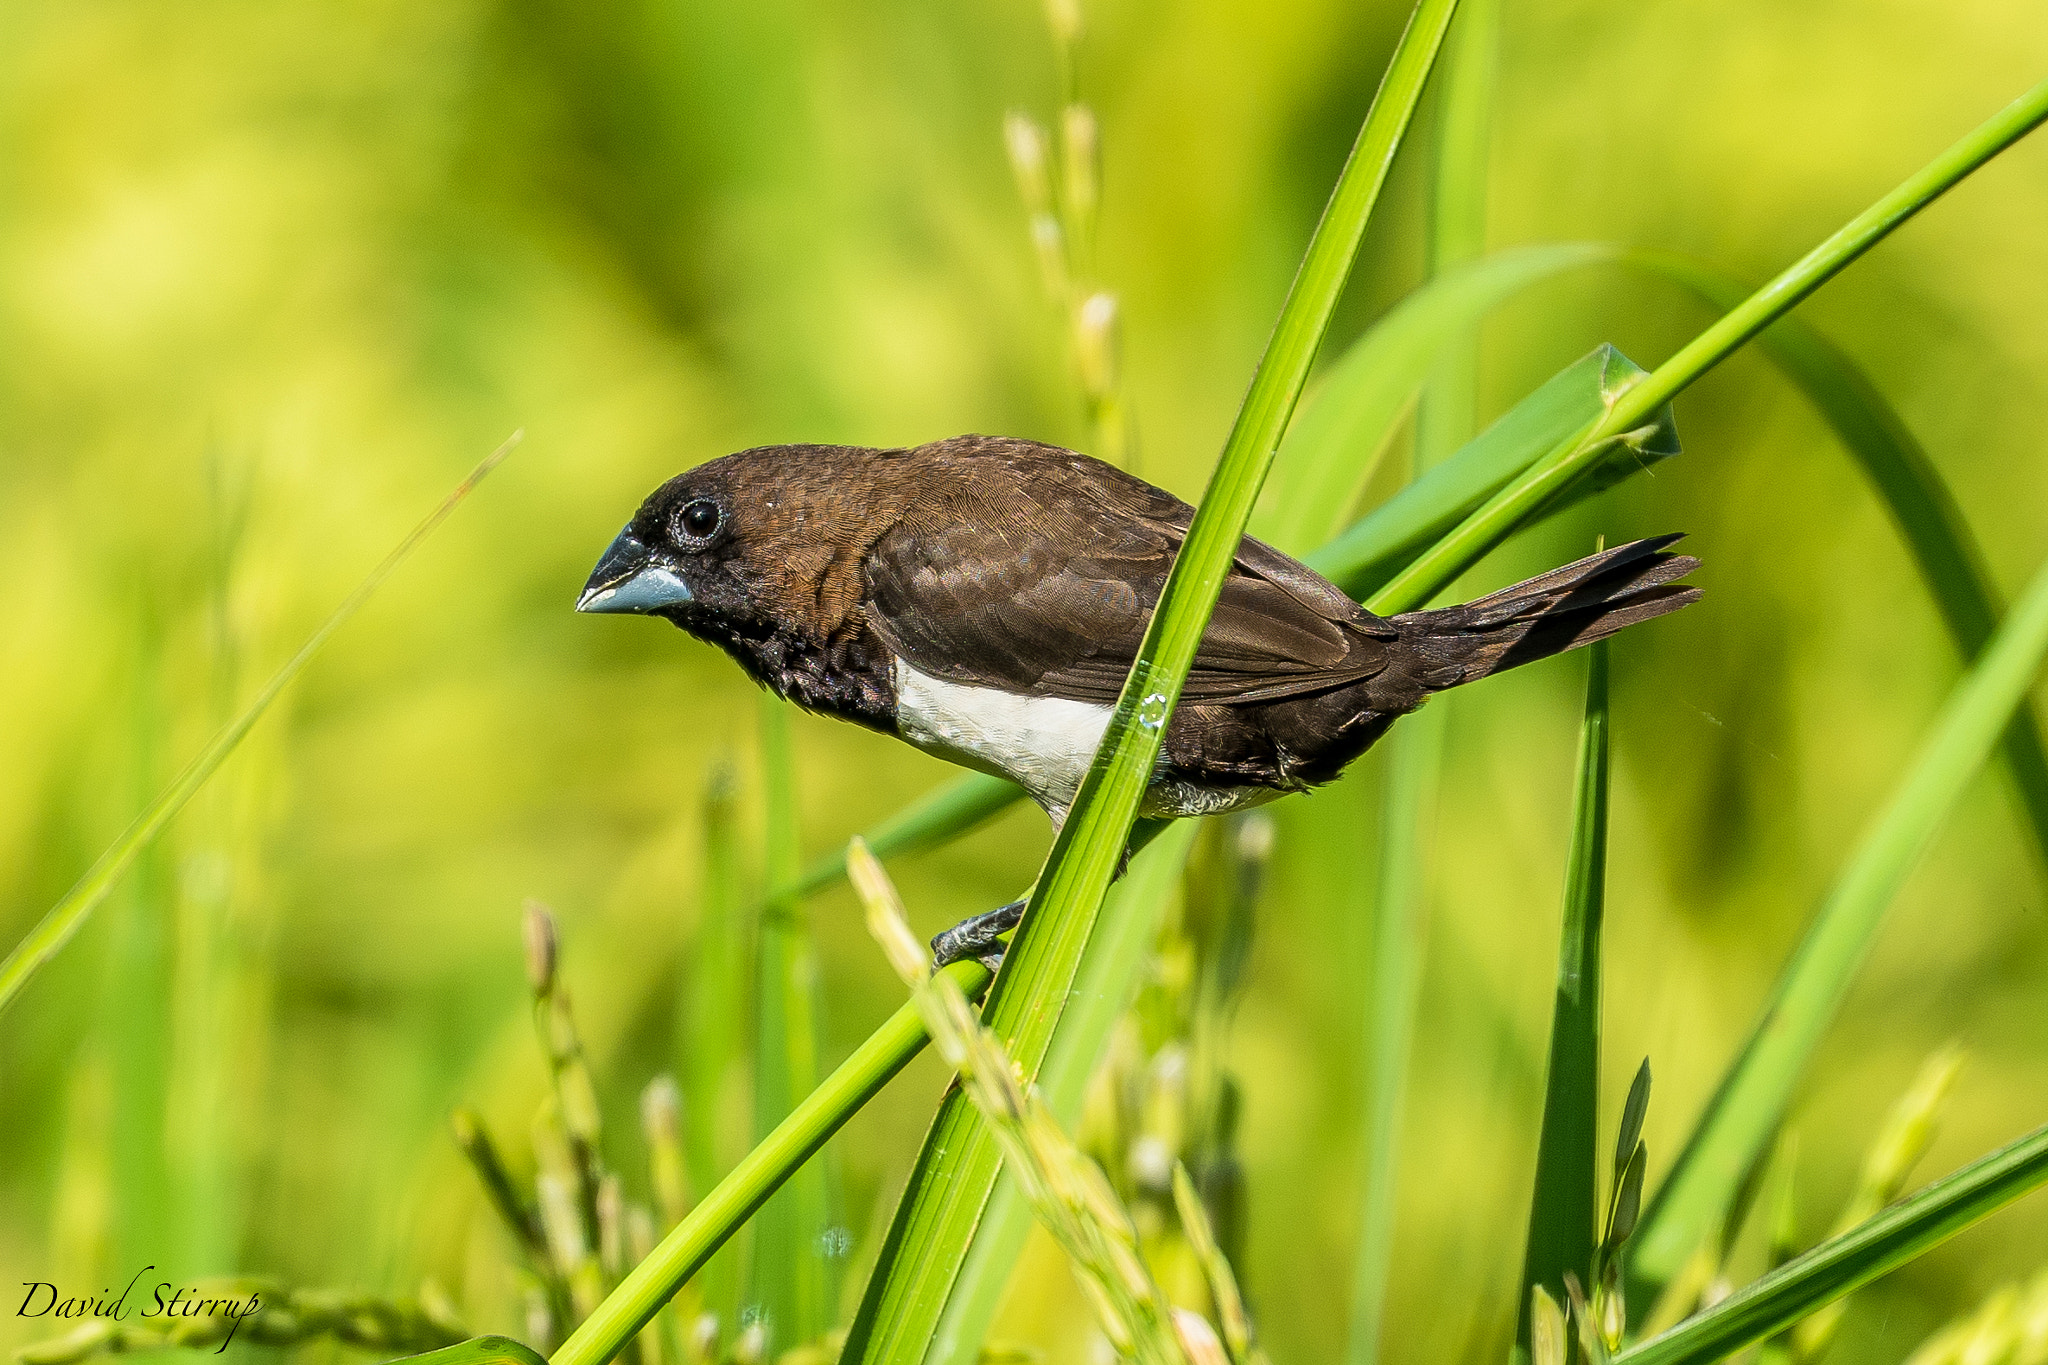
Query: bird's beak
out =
(630, 579)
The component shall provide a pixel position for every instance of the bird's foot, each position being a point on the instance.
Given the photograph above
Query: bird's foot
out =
(979, 937)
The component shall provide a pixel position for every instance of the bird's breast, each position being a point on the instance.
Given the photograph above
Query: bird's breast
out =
(1043, 744)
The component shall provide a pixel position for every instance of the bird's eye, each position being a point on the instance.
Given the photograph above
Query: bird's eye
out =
(699, 519)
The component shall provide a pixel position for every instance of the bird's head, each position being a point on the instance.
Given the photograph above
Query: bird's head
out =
(770, 536)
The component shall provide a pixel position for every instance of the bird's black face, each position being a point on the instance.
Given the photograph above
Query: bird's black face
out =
(679, 557)
(757, 552)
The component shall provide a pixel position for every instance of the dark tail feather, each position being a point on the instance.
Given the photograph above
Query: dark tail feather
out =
(1553, 612)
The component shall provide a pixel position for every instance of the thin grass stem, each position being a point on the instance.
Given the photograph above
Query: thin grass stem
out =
(56, 928)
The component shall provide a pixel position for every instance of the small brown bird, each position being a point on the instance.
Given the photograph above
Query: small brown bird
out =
(983, 598)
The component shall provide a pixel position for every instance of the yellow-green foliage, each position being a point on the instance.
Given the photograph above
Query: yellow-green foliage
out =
(272, 278)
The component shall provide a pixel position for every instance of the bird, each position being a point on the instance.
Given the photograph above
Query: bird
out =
(983, 598)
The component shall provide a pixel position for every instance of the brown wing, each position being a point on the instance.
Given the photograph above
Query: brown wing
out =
(1035, 570)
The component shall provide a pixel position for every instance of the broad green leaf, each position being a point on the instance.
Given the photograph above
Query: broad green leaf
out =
(1752, 1097)
(64, 918)
(1564, 1212)
(1908, 1229)
(1377, 547)
(1349, 419)
(929, 1242)
(792, 1274)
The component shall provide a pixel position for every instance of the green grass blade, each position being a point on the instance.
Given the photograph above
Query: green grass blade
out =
(1444, 424)
(762, 1171)
(792, 1276)
(1349, 419)
(1102, 991)
(1922, 507)
(1575, 458)
(920, 1266)
(1753, 1095)
(479, 1351)
(938, 817)
(1068, 1193)
(219, 1031)
(709, 1056)
(1457, 214)
(64, 918)
(138, 965)
(1379, 545)
(1399, 920)
(1843, 1264)
(1109, 973)
(1563, 1214)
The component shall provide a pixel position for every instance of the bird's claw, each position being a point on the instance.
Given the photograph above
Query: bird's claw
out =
(979, 937)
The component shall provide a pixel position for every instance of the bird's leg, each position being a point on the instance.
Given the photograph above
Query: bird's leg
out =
(980, 936)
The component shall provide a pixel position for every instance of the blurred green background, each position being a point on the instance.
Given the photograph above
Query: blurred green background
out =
(273, 276)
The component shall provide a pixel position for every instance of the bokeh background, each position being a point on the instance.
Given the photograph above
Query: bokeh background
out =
(272, 276)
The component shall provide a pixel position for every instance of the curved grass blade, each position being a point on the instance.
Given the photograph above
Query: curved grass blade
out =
(1836, 1267)
(759, 1174)
(791, 1278)
(1563, 1214)
(480, 1351)
(1103, 987)
(938, 817)
(1921, 504)
(928, 1245)
(1379, 545)
(710, 1046)
(1347, 422)
(64, 918)
(1394, 974)
(1445, 419)
(1066, 1190)
(1752, 1097)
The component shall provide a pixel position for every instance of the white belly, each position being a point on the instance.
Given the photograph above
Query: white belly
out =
(1043, 744)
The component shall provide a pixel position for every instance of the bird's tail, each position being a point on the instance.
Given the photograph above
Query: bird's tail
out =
(1570, 606)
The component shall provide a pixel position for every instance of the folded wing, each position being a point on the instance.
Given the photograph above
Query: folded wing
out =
(1045, 587)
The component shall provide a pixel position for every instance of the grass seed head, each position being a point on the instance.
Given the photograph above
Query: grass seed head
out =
(887, 921)
(1198, 1340)
(1081, 161)
(1096, 344)
(1546, 1328)
(1064, 18)
(542, 945)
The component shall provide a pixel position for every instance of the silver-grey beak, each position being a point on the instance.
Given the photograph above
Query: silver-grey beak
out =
(628, 579)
